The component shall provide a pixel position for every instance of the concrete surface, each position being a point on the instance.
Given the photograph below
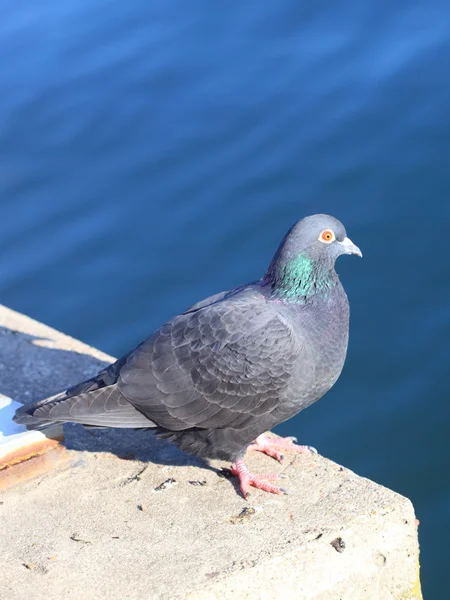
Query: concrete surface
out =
(130, 517)
(35, 361)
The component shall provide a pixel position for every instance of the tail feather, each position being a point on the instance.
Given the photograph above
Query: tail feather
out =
(104, 407)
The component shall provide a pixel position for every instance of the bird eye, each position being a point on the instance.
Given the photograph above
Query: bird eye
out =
(327, 236)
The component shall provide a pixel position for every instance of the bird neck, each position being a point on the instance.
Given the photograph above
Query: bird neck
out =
(300, 277)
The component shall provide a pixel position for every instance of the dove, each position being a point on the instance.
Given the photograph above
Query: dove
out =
(215, 378)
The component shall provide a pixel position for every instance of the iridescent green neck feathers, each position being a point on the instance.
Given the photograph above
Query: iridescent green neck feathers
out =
(300, 277)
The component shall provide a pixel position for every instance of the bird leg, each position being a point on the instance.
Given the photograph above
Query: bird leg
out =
(246, 479)
(272, 446)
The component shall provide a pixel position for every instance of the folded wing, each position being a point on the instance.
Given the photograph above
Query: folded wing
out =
(216, 367)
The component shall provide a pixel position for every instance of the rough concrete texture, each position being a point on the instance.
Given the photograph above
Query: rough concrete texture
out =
(130, 517)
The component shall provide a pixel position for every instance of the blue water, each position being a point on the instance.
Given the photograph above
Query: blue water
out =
(152, 153)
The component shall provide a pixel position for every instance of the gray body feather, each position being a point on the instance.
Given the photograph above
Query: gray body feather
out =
(215, 377)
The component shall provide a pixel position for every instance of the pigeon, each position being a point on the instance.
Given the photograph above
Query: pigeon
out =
(214, 379)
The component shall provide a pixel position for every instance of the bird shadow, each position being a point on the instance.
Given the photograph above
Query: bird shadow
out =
(33, 367)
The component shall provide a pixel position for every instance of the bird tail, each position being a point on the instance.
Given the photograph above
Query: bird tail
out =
(104, 407)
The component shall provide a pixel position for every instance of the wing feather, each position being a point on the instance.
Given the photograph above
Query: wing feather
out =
(215, 366)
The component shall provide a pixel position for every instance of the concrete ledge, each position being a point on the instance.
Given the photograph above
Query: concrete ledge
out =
(35, 361)
(128, 516)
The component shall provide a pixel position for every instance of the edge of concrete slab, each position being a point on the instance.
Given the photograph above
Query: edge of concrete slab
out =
(130, 516)
(32, 453)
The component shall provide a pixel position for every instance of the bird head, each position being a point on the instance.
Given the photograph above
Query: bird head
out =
(321, 237)
(304, 261)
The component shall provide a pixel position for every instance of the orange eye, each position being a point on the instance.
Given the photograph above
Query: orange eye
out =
(327, 236)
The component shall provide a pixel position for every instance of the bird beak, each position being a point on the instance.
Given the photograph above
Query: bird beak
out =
(349, 247)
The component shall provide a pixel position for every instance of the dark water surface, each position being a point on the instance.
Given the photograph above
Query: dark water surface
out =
(153, 153)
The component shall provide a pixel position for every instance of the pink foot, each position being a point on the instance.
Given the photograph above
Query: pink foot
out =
(246, 479)
(271, 446)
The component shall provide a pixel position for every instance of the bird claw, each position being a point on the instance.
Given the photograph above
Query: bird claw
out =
(247, 479)
(272, 446)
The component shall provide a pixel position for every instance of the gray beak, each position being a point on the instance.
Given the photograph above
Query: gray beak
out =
(349, 247)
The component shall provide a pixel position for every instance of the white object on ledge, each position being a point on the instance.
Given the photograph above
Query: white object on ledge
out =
(7, 426)
(14, 437)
